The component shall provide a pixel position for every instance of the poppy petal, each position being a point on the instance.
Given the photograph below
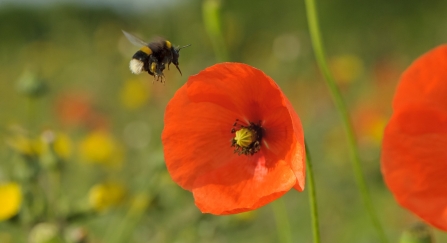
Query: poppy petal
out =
(298, 153)
(195, 141)
(237, 87)
(235, 188)
(414, 159)
(425, 81)
(414, 154)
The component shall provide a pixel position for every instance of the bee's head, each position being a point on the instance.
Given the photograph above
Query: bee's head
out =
(176, 55)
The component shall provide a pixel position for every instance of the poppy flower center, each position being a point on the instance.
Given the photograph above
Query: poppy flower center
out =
(247, 139)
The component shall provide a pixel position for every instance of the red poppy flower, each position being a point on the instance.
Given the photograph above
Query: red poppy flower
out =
(233, 139)
(75, 109)
(414, 156)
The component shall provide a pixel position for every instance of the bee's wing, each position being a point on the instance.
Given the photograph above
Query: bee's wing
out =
(134, 40)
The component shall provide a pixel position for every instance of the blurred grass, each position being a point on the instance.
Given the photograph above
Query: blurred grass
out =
(82, 58)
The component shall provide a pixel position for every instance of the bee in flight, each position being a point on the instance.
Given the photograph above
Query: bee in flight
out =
(153, 56)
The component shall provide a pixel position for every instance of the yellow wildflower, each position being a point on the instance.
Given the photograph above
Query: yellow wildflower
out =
(105, 195)
(23, 145)
(134, 94)
(60, 143)
(100, 147)
(377, 128)
(346, 68)
(10, 200)
(38, 146)
(63, 145)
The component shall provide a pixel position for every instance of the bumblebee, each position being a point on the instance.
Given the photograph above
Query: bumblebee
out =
(153, 57)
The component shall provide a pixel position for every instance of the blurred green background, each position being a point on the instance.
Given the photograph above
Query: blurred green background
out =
(81, 134)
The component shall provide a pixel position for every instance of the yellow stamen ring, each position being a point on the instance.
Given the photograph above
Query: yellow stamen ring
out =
(244, 137)
(247, 139)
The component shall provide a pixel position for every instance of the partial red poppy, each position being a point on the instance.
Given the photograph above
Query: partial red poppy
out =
(414, 152)
(75, 109)
(233, 139)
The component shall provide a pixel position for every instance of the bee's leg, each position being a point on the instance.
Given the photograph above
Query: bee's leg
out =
(178, 69)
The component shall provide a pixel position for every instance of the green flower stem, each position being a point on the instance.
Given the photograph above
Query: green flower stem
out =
(343, 112)
(213, 26)
(312, 198)
(280, 212)
(282, 221)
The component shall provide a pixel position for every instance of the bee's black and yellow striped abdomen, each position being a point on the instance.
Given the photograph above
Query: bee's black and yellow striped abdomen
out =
(146, 50)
